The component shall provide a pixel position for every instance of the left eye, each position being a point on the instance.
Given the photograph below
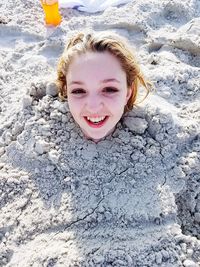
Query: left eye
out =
(110, 90)
(78, 91)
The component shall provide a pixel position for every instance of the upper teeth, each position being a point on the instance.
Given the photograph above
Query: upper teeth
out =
(96, 119)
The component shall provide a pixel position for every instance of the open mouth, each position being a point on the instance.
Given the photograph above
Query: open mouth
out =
(96, 122)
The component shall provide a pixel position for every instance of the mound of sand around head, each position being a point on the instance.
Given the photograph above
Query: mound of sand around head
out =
(133, 199)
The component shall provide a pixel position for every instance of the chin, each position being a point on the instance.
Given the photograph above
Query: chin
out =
(95, 138)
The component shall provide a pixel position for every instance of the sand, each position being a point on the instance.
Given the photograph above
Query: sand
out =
(133, 199)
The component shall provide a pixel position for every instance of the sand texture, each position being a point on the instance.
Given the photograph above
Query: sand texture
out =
(133, 199)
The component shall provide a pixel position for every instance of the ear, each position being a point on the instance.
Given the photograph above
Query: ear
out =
(65, 90)
(129, 93)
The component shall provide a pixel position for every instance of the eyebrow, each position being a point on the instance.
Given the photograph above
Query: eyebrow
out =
(110, 80)
(104, 81)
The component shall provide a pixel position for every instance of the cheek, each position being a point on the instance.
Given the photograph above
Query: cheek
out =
(73, 107)
(74, 103)
(118, 102)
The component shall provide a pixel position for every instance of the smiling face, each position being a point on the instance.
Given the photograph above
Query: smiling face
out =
(97, 93)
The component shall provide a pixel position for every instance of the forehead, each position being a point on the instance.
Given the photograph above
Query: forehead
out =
(98, 64)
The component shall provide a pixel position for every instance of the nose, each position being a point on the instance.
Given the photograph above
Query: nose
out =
(94, 103)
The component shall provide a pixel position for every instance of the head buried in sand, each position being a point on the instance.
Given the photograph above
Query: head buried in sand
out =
(99, 76)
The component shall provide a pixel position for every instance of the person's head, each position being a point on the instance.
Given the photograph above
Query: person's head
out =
(99, 76)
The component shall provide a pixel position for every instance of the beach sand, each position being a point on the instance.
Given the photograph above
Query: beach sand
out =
(132, 199)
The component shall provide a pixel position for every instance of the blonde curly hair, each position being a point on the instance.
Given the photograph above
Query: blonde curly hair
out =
(100, 42)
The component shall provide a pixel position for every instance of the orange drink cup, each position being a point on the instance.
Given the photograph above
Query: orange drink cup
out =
(52, 15)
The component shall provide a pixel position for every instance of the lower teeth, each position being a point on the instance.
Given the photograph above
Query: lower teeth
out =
(96, 122)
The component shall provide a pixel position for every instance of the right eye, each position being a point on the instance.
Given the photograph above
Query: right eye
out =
(77, 91)
(111, 90)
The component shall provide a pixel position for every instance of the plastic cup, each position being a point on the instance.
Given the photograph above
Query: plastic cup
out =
(52, 15)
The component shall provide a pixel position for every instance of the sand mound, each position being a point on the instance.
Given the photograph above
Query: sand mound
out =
(133, 199)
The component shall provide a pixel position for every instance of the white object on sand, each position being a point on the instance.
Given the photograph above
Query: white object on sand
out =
(90, 6)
